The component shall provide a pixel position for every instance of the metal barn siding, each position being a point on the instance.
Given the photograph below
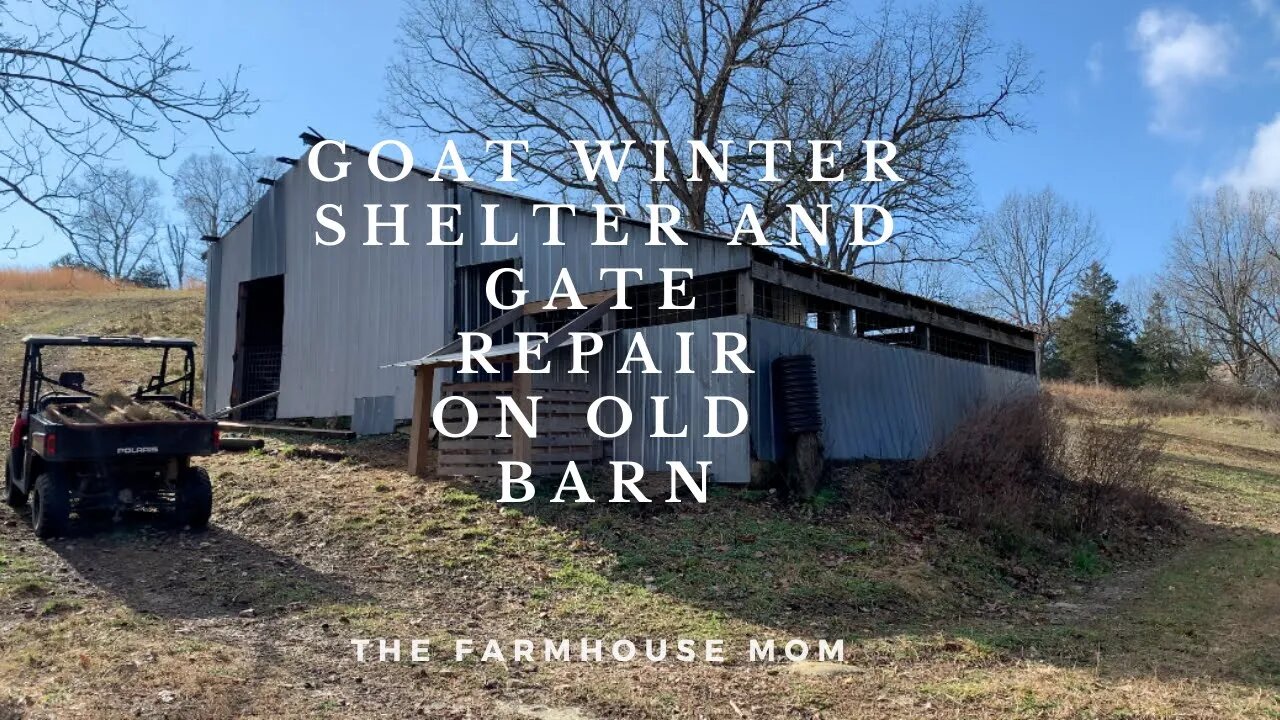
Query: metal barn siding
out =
(543, 263)
(212, 302)
(229, 265)
(878, 401)
(266, 256)
(348, 309)
(730, 457)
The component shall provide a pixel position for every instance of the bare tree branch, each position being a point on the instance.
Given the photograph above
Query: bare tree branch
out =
(81, 81)
(1225, 271)
(116, 226)
(554, 71)
(1028, 255)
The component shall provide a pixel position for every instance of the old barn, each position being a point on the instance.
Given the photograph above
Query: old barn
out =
(351, 331)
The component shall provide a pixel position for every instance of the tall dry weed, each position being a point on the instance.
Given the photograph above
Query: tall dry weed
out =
(1024, 467)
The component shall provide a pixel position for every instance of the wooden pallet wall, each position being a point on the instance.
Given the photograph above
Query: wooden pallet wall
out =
(562, 436)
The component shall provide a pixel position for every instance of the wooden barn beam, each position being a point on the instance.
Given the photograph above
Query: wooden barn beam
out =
(424, 377)
(863, 301)
(488, 328)
(521, 443)
(746, 295)
(597, 311)
(564, 303)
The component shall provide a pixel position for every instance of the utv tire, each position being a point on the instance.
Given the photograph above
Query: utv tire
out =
(13, 497)
(193, 499)
(50, 506)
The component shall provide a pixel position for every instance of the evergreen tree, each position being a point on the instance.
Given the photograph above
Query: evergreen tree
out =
(1094, 339)
(1167, 357)
(1163, 359)
(1052, 366)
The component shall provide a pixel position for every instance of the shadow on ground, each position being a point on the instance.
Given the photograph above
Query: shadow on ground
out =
(1206, 605)
(180, 574)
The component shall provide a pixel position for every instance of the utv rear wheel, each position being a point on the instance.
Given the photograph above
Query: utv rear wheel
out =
(194, 498)
(12, 495)
(50, 506)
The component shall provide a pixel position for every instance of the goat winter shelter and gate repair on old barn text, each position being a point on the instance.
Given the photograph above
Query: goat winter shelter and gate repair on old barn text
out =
(693, 318)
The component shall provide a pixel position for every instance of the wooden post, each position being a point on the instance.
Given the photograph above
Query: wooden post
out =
(521, 443)
(419, 441)
(746, 294)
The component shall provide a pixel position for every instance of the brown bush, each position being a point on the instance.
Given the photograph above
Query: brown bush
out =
(1114, 472)
(1023, 467)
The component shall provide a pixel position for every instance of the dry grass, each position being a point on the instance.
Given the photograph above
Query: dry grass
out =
(1210, 398)
(329, 543)
(38, 280)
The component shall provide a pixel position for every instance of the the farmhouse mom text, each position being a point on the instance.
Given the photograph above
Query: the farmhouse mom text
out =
(608, 416)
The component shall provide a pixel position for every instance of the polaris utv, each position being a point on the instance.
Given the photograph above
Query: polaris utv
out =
(77, 452)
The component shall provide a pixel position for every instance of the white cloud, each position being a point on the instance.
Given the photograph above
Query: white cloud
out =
(1268, 10)
(1179, 52)
(1093, 63)
(1260, 166)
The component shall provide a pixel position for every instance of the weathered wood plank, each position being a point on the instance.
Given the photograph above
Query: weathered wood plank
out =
(419, 435)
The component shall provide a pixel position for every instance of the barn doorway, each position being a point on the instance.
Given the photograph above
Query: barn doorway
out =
(259, 338)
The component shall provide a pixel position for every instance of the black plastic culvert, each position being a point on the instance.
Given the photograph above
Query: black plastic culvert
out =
(797, 409)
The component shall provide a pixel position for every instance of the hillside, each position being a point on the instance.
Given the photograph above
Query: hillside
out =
(313, 546)
(69, 307)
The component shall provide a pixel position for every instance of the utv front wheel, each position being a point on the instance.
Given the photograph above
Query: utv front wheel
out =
(50, 506)
(194, 498)
(12, 495)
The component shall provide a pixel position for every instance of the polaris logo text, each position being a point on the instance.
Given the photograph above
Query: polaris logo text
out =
(137, 450)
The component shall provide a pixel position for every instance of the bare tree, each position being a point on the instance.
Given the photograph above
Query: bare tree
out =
(215, 191)
(1029, 254)
(941, 281)
(116, 225)
(1225, 271)
(177, 254)
(555, 71)
(911, 77)
(79, 82)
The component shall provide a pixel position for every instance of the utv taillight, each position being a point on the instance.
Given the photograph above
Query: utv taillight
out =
(217, 439)
(19, 429)
(50, 444)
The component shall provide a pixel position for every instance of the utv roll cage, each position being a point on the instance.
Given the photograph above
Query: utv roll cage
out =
(34, 378)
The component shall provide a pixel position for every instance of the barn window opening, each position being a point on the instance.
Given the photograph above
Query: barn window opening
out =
(713, 295)
(956, 345)
(793, 307)
(1010, 358)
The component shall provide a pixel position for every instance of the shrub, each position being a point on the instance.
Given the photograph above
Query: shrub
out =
(1022, 468)
(1114, 472)
(997, 467)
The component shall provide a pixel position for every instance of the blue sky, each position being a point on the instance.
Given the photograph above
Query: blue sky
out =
(1143, 104)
